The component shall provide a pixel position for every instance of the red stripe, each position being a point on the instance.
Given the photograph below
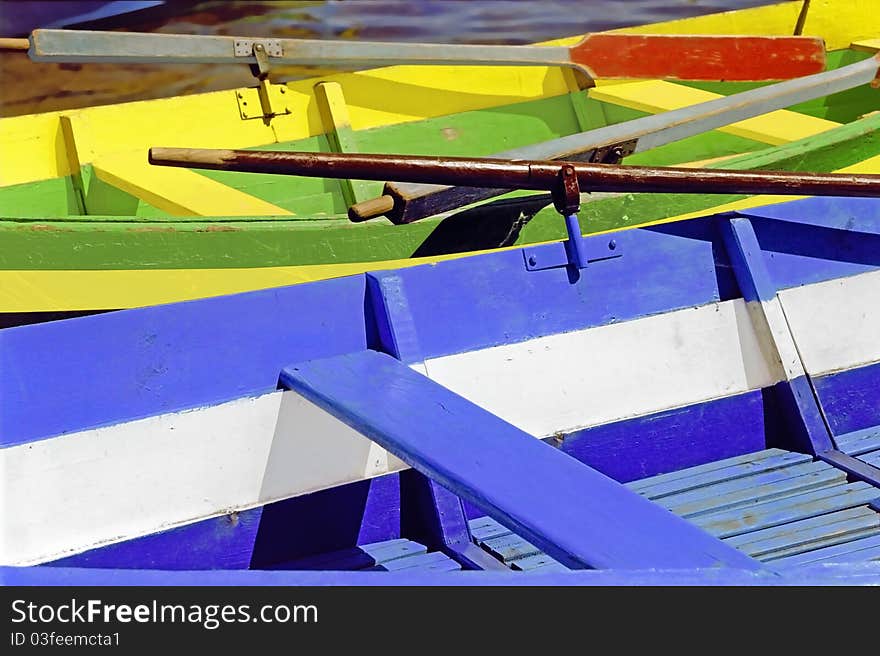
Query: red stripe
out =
(734, 58)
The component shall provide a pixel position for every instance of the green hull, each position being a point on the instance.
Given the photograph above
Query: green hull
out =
(50, 231)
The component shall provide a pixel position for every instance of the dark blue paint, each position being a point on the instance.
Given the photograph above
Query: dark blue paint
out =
(570, 511)
(844, 574)
(434, 516)
(91, 371)
(799, 254)
(477, 302)
(265, 537)
(747, 260)
(675, 439)
(851, 398)
(396, 333)
(707, 230)
(802, 422)
(861, 214)
(224, 542)
(329, 520)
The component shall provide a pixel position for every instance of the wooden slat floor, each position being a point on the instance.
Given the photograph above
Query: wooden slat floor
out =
(777, 506)
(390, 555)
(780, 507)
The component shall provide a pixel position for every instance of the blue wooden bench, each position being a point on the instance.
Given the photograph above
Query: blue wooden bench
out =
(566, 509)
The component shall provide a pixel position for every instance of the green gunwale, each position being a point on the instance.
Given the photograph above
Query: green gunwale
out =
(117, 242)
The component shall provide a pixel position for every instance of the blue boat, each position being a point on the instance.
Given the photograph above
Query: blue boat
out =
(699, 404)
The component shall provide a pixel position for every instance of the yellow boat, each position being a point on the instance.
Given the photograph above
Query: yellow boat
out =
(87, 224)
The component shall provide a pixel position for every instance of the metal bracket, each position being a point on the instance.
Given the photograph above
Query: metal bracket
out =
(261, 49)
(554, 256)
(614, 153)
(252, 104)
(245, 47)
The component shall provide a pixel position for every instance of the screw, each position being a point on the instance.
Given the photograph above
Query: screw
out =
(532, 260)
(240, 94)
(259, 47)
(612, 245)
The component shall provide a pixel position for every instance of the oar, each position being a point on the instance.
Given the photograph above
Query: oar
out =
(14, 44)
(408, 202)
(518, 174)
(741, 58)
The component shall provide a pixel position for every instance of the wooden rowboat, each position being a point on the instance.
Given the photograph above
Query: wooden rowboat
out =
(88, 225)
(698, 406)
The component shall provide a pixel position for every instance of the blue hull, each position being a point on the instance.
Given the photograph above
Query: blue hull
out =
(771, 479)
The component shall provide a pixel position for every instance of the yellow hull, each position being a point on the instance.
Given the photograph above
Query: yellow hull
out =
(114, 139)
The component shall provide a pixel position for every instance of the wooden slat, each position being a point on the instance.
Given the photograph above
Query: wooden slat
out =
(746, 492)
(488, 532)
(537, 562)
(753, 539)
(682, 475)
(859, 442)
(856, 550)
(510, 547)
(432, 560)
(815, 533)
(568, 510)
(829, 536)
(728, 523)
(696, 477)
(385, 551)
(179, 191)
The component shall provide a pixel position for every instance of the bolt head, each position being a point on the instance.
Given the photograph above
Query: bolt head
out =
(532, 260)
(612, 245)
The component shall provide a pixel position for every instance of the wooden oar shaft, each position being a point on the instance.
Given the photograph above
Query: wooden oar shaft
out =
(513, 174)
(14, 44)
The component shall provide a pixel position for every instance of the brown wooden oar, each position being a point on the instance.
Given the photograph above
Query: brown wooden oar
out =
(520, 174)
(600, 55)
(14, 44)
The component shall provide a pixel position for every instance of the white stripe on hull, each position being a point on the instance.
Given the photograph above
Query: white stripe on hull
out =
(836, 323)
(77, 491)
(594, 376)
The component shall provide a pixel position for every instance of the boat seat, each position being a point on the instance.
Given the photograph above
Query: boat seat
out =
(779, 507)
(389, 555)
(568, 510)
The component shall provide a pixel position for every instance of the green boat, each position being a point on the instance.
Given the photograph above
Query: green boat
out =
(87, 224)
